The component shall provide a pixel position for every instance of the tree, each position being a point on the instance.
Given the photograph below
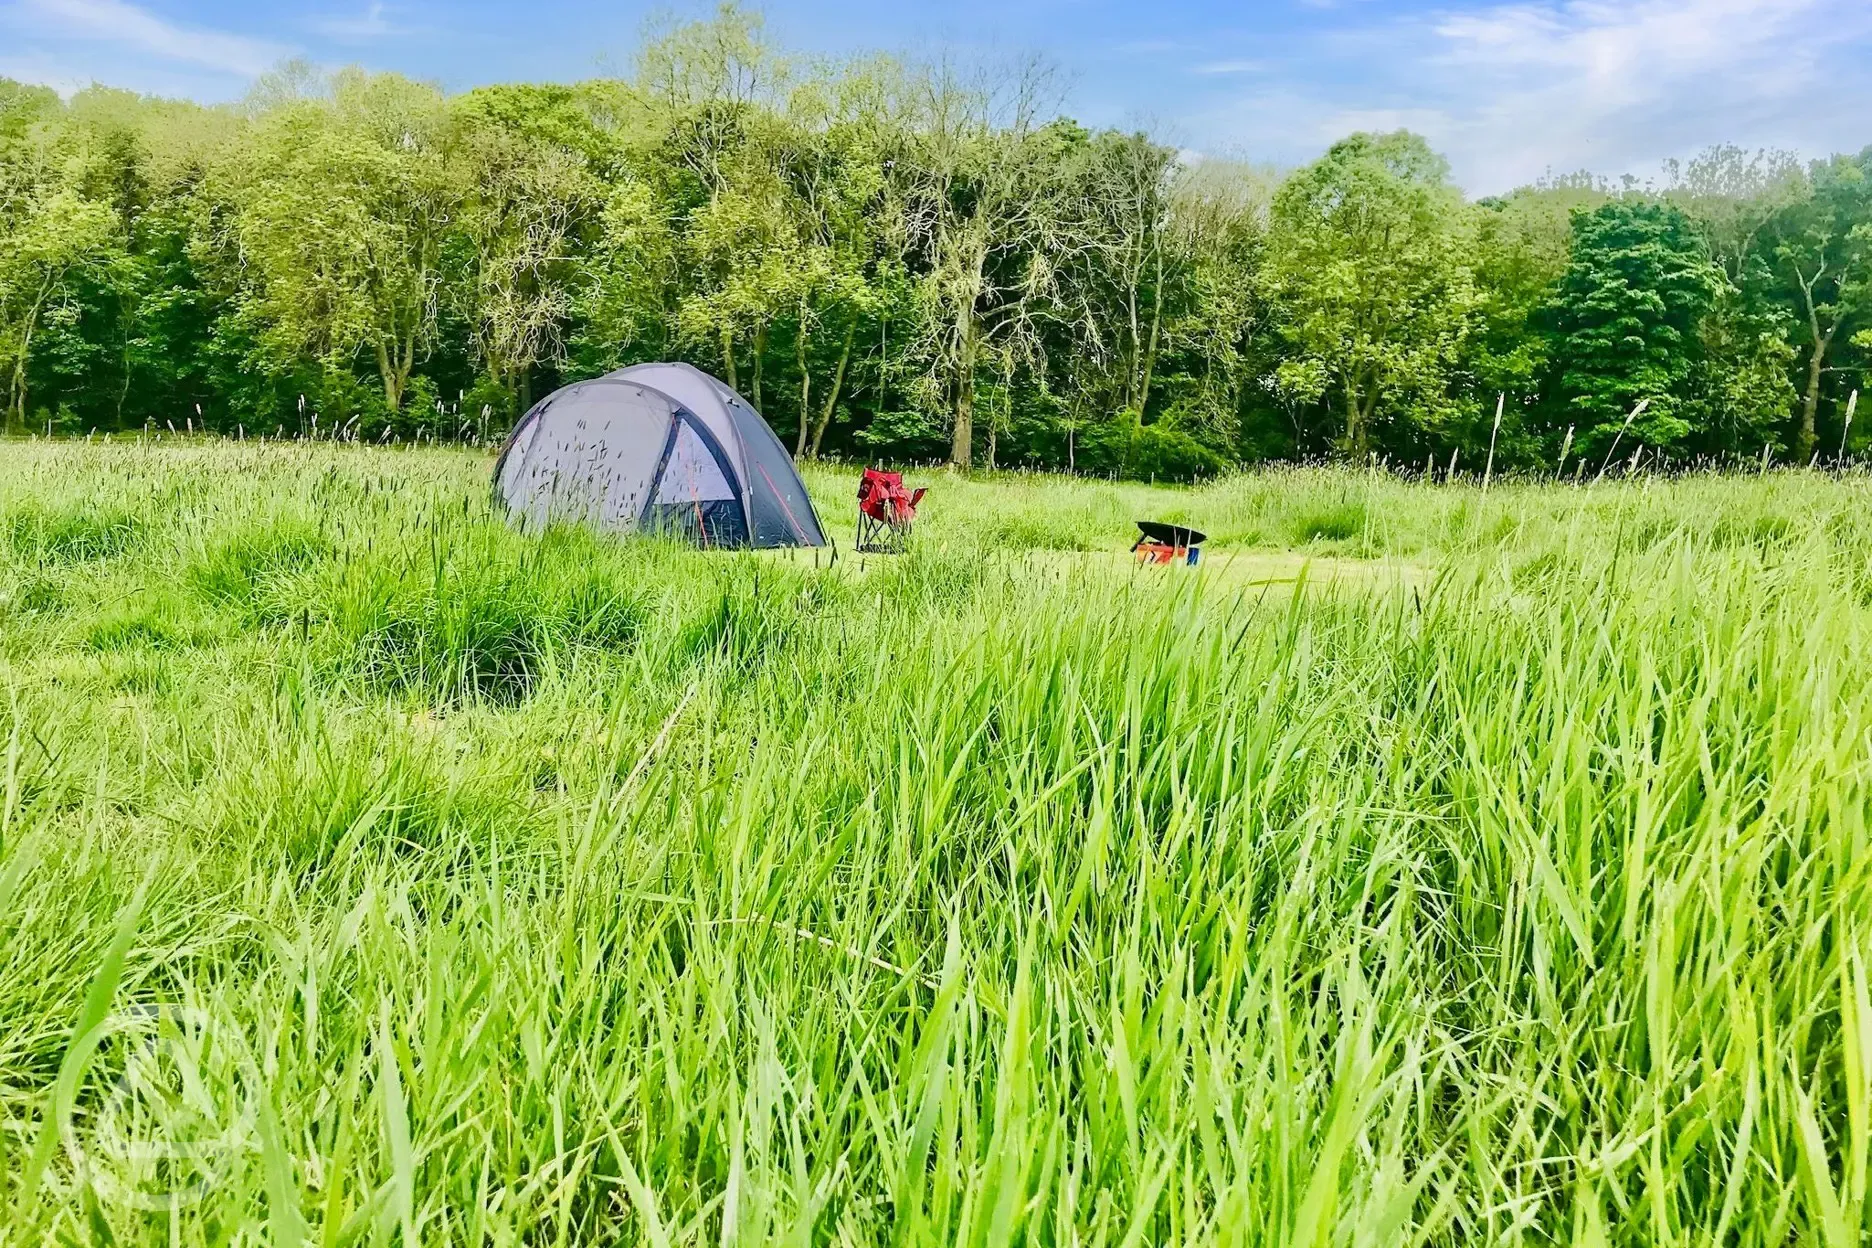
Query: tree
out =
(1822, 254)
(916, 260)
(1739, 395)
(1365, 275)
(711, 86)
(1733, 195)
(528, 200)
(626, 304)
(122, 337)
(1129, 211)
(1624, 321)
(44, 238)
(342, 204)
(848, 227)
(1160, 305)
(1522, 244)
(985, 213)
(48, 228)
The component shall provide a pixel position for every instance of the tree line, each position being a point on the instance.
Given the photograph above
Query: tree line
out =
(904, 262)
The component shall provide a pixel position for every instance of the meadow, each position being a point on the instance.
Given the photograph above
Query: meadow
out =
(1438, 866)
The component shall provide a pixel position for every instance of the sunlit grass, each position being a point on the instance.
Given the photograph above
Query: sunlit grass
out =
(477, 888)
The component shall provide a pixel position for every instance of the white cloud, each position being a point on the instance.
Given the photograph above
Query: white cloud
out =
(1622, 86)
(36, 66)
(1229, 67)
(371, 24)
(1513, 90)
(141, 31)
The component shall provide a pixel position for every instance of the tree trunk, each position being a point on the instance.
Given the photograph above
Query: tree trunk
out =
(16, 392)
(838, 383)
(16, 397)
(962, 437)
(883, 394)
(760, 351)
(526, 391)
(1150, 349)
(124, 315)
(1810, 400)
(1816, 362)
(1355, 422)
(727, 355)
(1363, 449)
(805, 384)
(1134, 340)
(392, 377)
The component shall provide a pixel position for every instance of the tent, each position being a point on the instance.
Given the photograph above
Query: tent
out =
(661, 448)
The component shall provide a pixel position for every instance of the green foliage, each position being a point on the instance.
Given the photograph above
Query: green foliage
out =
(1522, 246)
(341, 206)
(1819, 258)
(48, 235)
(1624, 322)
(903, 261)
(1365, 273)
(1148, 452)
(1741, 393)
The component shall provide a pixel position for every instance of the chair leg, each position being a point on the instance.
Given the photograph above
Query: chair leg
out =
(880, 536)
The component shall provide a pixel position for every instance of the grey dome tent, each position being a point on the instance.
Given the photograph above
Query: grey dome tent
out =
(659, 448)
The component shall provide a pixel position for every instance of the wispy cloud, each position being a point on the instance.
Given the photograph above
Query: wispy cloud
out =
(1513, 90)
(1617, 86)
(36, 66)
(1229, 67)
(359, 28)
(139, 30)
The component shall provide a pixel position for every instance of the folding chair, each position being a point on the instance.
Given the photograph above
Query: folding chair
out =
(886, 512)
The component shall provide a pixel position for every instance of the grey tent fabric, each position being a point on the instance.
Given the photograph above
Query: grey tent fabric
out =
(698, 392)
(779, 512)
(587, 454)
(658, 447)
(778, 506)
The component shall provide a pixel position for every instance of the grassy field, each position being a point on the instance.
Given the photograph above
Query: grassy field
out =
(372, 874)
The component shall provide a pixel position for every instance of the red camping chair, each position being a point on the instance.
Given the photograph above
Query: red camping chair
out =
(886, 511)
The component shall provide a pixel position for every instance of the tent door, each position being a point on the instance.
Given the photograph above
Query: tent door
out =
(696, 493)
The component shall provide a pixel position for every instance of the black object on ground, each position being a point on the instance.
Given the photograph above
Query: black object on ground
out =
(1178, 535)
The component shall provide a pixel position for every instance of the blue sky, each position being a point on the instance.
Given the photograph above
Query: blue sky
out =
(1508, 90)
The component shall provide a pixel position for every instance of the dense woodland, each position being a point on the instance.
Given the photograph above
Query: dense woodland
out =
(904, 262)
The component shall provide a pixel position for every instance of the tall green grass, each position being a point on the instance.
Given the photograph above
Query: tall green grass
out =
(468, 888)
